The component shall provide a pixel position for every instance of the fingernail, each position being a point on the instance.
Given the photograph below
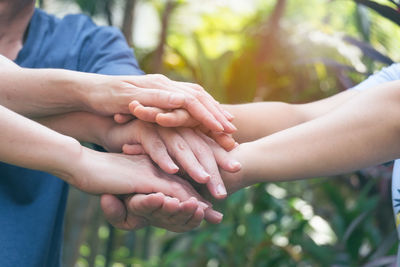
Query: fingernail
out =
(220, 127)
(203, 205)
(205, 175)
(173, 167)
(216, 214)
(228, 115)
(234, 164)
(176, 99)
(221, 191)
(134, 102)
(233, 127)
(236, 144)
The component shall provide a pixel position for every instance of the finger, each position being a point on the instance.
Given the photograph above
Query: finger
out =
(199, 88)
(169, 208)
(176, 118)
(213, 216)
(181, 151)
(123, 118)
(171, 185)
(202, 114)
(186, 210)
(113, 209)
(143, 113)
(159, 98)
(143, 204)
(206, 158)
(193, 104)
(157, 150)
(226, 141)
(135, 149)
(196, 219)
(223, 158)
(175, 95)
(116, 214)
(228, 115)
(212, 106)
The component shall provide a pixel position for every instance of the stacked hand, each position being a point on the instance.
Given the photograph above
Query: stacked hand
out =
(162, 127)
(198, 156)
(169, 127)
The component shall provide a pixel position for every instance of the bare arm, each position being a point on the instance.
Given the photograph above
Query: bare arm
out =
(256, 120)
(44, 92)
(361, 132)
(28, 144)
(166, 146)
(31, 145)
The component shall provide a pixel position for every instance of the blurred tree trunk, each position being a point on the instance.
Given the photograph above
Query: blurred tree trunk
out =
(269, 43)
(42, 4)
(110, 246)
(165, 20)
(127, 23)
(80, 210)
(108, 12)
(93, 238)
(270, 38)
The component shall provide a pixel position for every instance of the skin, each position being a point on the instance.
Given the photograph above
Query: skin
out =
(14, 19)
(298, 137)
(28, 144)
(30, 92)
(165, 146)
(194, 154)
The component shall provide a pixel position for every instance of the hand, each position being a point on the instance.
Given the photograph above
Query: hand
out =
(158, 210)
(175, 118)
(98, 173)
(112, 94)
(161, 211)
(164, 145)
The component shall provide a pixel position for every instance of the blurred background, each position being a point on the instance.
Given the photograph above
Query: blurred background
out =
(243, 51)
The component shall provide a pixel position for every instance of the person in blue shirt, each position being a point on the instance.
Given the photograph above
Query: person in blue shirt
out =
(32, 203)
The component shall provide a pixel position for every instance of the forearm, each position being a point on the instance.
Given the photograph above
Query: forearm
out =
(42, 92)
(28, 144)
(83, 126)
(362, 132)
(256, 120)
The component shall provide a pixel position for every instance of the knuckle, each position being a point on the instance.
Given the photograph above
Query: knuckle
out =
(191, 100)
(176, 187)
(160, 78)
(180, 146)
(197, 87)
(202, 150)
(157, 144)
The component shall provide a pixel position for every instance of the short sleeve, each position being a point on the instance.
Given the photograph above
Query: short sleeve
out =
(106, 51)
(387, 74)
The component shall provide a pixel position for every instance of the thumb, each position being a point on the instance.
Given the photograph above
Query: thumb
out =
(114, 210)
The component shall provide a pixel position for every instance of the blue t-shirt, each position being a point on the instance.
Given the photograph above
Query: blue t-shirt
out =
(32, 203)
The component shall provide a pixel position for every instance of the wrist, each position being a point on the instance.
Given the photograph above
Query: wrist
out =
(64, 165)
(101, 130)
(105, 94)
(70, 83)
(247, 175)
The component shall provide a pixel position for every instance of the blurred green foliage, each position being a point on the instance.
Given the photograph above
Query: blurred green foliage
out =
(292, 51)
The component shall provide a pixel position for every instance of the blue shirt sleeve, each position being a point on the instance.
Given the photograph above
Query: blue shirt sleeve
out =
(106, 52)
(387, 74)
